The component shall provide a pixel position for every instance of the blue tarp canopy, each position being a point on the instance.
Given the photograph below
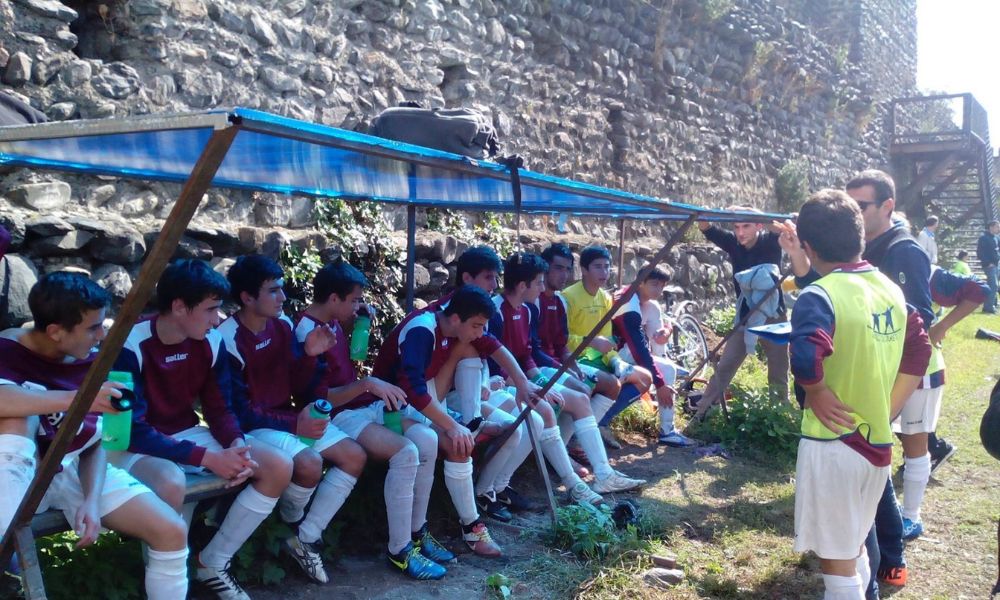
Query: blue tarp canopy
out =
(277, 154)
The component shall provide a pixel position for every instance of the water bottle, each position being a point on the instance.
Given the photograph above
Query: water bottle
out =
(359, 337)
(319, 409)
(392, 420)
(116, 428)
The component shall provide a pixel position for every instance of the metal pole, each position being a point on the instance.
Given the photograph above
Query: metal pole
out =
(621, 252)
(166, 243)
(411, 254)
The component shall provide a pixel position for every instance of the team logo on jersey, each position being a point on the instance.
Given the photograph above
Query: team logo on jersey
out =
(263, 344)
(176, 357)
(902, 278)
(884, 324)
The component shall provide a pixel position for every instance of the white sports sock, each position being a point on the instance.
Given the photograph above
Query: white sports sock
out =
(555, 452)
(565, 422)
(331, 494)
(292, 504)
(600, 404)
(518, 456)
(863, 568)
(247, 512)
(468, 385)
(17, 468)
(458, 480)
(915, 477)
(427, 448)
(167, 575)
(666, 419)
(491, 471)
(398, 493)
(590, 439)
(843, 588)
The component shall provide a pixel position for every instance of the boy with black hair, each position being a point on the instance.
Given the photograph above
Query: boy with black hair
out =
(638, 324)
(40, 372)
(854, 344)
(276, 376)
(587, 302)
(176, 361)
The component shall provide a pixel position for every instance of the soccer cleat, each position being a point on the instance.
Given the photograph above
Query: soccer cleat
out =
(513, 501)
(308, 557)
(893, 575)
(493, 509)
(220, 582)
(478, 538)
(676, 439)
(431, 548)
(609, 438)
(582, 494)
(617, 482)
(912, 529)
(410, 561)
(941, 453)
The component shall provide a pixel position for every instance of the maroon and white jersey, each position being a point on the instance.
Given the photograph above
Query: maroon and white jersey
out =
(336, 364)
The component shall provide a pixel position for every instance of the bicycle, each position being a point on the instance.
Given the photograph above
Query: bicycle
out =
(687, 346)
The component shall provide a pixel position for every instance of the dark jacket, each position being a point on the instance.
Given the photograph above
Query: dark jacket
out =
(986, 249)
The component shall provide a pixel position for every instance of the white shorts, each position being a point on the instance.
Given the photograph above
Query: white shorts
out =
(836, 493)
(667, 368)
(353, 422)
(17, 469)
(290, 444)
(920, 413)
(65, 493)
(199, 435)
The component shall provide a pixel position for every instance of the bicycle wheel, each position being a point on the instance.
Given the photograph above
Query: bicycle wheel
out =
(689, 345)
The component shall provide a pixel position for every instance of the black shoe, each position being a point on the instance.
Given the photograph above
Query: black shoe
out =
(941, 453)
(493, 509)
(513, 501)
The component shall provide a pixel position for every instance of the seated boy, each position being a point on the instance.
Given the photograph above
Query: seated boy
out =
(637, 324)
(270, 367)
(586, 303)
(40, 370)
(856, 357)
(177, 361)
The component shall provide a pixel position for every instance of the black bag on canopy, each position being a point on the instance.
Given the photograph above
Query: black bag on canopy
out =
(458, 130)
(15, 112)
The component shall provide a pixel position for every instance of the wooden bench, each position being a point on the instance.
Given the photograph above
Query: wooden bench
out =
(201, 486)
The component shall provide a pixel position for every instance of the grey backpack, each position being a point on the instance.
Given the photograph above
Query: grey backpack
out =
(458, 130)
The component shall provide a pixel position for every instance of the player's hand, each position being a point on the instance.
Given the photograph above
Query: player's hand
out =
(602, 344)
(497, 382)
(87, 523)
(665, 395)
(310, 427)
(230, 463)
(528, 395)
(102, 401)
(831, 412)
(576, 371)
(461, 440)
(662, 335)
(394, 396)
(320, 340)
(251, 465)
(937, 333)
(555, 398)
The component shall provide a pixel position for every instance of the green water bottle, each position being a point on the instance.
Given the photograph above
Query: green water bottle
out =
(392, 420)
(317, 410)
(359, 337)
(116, 428)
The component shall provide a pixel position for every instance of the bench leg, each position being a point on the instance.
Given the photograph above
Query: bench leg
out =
(27, 556)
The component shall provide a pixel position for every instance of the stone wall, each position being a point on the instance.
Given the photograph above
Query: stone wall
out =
(702, 101)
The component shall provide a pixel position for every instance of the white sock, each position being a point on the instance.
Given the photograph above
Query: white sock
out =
(590, 439)
(518, 456)
(600, 404)
(555, 452)
(458, 480)
(398, 493)
(468, 385)
(167, 575)
(565, 423)
(426, 442)
(292, 504)
(331, 494)
(863, 568)
(490, 472)
(666, 419)
(915, 477)
(843, 588)
(17, 468)
(247, 512)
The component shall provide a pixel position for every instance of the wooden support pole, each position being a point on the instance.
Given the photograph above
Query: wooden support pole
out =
(166, 244)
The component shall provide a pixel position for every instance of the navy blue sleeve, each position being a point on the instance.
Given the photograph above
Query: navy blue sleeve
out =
(415, 354)
(811, 339)
(809, 278)
(540, 357)
(909, 267)
(628, 328)
(250, 417)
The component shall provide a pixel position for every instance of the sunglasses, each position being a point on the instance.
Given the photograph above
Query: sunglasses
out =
(864, 205)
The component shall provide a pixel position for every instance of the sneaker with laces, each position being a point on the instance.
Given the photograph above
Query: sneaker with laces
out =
(609, 438)
(307, 556)
(493, 509)
(514, 501)
(410, 561)
(479, 540)
(912, 529)
(941, 453)
(617, 482)
(676, 439)
(893, 575)
(431, 548)
(220, 582)
(582, 494)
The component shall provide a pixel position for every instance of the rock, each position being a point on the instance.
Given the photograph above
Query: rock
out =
(118, 81)
(113, 278)
(61, 111)
(272, 210)
(260, 30)
(122, 246)
(143, 204)
(279, 80)
(14, 224)
(439, 275)
(61, 245)
(274, 243)
(221, 265)
(664, 561)
(100, 195)
(18, 71)
(17, 279)
(189, 247)
(50, 195)
(251, 239)
(303, 212)
(147, 8)
(663, 578)
(189, 9)
(421, 277)
(47, 226)
(51, 9)
(221, 242)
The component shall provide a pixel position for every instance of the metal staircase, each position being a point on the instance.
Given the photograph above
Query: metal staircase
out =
(942, 162)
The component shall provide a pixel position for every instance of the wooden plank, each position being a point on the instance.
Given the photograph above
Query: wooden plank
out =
(27, 557)
(190, 197)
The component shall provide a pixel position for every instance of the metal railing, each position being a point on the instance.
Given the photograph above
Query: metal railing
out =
(941, 117)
